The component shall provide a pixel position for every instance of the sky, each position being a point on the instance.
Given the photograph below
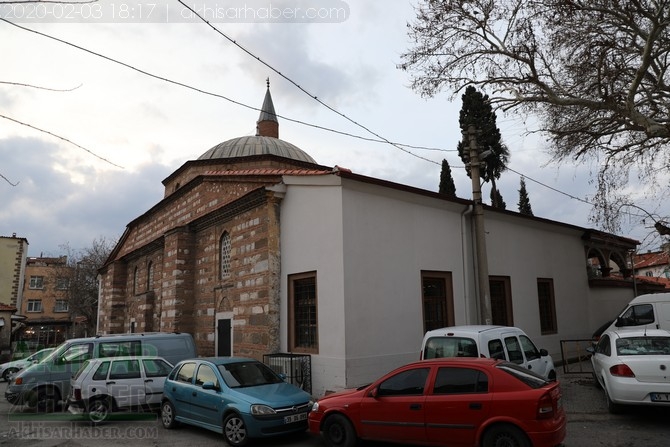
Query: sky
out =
(129, 92)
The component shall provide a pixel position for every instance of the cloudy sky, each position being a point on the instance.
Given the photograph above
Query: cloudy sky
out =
(138, 89)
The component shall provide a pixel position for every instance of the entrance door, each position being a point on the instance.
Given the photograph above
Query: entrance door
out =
(224, 338)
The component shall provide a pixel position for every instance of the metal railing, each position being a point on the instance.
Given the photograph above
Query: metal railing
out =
(574, 356)
(296, 367)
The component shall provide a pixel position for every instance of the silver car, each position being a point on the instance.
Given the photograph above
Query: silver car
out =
(106, 385)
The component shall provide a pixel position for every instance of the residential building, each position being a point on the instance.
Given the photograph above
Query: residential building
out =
(45, 304)
(13, 253)
(257, 249)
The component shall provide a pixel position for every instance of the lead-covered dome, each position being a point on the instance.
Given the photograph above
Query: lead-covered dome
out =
(256, 145)
(265, 142)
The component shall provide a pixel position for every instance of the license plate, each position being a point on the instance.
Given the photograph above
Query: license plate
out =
(660, 397)
(295, 418)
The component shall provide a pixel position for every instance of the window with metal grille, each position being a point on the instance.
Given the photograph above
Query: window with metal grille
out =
(150, 276)
(501, 300)
(438, 301)
(225, 255)
(303, 324)
(545, 298)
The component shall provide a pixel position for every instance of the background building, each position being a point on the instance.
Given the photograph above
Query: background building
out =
(13, 252)
(45, 305)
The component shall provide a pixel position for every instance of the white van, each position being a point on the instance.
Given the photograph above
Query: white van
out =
(46, 383)
(498, 342)
(652, 310)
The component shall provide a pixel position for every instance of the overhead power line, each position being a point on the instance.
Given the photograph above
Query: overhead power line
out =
(378, 138)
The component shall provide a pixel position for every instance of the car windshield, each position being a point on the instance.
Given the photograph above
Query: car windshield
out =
(527, 376)
(643, 346)
(244, 374)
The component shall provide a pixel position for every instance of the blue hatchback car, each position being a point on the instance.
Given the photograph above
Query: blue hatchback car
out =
(239, 397)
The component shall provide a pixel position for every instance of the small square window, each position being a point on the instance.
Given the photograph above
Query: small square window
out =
(34, 306)
(36, 282)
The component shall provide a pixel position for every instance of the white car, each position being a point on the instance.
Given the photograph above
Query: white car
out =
(633, 367)
(108, 384)
(8, 369)
(497, 342)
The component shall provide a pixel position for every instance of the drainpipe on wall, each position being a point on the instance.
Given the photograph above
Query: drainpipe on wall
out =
(466, 212)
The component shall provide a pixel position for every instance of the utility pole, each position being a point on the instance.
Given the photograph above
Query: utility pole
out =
(480, 234)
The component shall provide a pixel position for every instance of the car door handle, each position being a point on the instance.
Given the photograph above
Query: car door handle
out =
(110, 383)
(148, 380)
(475, 406)
(194, 394)
(415, 406)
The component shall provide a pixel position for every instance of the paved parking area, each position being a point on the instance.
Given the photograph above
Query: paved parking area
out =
(589, 425)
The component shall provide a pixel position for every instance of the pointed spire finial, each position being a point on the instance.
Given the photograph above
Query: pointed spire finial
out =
(267, 124)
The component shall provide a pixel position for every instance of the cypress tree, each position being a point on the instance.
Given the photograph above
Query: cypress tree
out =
(447, 185)
(497, 199)
(477, 111)
(524, 201)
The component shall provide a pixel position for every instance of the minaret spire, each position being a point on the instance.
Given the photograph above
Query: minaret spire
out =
(267, 124)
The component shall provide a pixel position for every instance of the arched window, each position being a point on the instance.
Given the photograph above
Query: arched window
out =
(225, 255)
(150, 276)
(135, 280)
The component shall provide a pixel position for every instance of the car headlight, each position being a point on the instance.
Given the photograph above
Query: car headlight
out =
(315, 406)
(262, 410)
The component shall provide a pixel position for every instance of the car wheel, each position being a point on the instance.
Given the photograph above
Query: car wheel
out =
(168, 415)
(234, 430)
(44, 400)
(99, 410)
(612, 407)
(505, 436)
(338, 431)
(8, 373)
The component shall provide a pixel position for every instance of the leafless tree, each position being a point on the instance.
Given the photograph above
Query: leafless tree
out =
(81, 272)
(595, 73)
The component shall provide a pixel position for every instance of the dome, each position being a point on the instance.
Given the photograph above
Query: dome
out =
(266, 141)
(256, 145)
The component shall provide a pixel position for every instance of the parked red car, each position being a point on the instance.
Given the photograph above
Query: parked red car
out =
(448, 401)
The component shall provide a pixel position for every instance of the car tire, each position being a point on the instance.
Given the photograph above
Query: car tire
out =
(7, 373)
(99, 410)
(168, 415)
(505, 435)
(43, 400)
(338, 431)
(234, 430)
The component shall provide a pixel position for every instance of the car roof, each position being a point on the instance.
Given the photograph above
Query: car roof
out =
(127, 357)
(446, 361)
(223, 360)
(472, 329)
(637, 332)
(651, 298)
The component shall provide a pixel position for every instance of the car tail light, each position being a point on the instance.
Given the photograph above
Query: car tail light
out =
(76, 393)
(545, 407)
(622, 370)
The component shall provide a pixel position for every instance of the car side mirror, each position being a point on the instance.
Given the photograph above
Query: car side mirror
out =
(209, 386)
(591, 350)
(544, 353)
(373, 393)
(282, 376)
